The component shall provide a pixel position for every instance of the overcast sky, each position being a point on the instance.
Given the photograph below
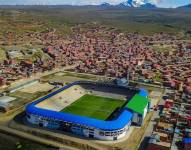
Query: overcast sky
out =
(160, 3)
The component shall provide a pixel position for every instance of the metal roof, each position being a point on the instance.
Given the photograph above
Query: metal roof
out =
(137, 104)
(119, 123)
(6, 99)
(187, 140)
(143, 92)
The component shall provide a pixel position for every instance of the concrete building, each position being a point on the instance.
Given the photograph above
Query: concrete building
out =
(187, 143)
(122, 82)
(5, 103)
(139, 106)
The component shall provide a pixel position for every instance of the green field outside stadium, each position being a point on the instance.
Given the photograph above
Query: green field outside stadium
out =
(94, 106)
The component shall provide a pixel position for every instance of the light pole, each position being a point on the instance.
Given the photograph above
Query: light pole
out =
(128, 71)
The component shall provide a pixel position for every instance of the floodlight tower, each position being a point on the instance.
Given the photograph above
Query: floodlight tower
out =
(129, 69)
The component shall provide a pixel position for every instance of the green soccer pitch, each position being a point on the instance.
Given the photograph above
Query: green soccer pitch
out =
(94, 106)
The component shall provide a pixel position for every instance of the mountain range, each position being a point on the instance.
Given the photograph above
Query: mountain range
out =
(139, 4)
(125, 4)
(186, 6)
(135, 3)
(132, 3)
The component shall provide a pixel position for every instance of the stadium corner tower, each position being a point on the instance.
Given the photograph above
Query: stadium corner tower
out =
(90, 109)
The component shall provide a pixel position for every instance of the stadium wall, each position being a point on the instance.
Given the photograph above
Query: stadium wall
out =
(138, 119)
(78, 129)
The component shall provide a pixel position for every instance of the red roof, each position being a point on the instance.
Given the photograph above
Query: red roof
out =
(188, 89)
(1, 78)
(189, 118)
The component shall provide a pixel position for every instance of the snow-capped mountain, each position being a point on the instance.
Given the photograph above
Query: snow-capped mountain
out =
(128, 3)
(106, 4)
(132, 3)
(137, 3)
(148, 5)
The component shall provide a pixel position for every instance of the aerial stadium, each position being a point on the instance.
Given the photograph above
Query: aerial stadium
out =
(90, 109)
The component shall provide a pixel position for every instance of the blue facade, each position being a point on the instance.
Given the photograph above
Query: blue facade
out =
(119, 123)
(187, 140)
(143, 93)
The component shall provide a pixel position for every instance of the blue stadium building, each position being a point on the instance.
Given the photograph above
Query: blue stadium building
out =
(113, 129)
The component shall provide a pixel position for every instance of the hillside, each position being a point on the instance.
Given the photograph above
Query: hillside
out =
(147, 21)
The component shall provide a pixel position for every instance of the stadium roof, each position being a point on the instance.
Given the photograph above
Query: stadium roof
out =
(143, 92)
(187, 140)
(137, 104)
(119, 123)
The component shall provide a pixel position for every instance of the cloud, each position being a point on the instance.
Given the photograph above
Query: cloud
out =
(57, 2)
(156, 1)
(150, 1)
(72, 2)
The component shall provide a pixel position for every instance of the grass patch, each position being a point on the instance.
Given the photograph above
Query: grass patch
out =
(62, 18)
(94, 106)
(9, 142)
(84, 76)
(76, 77)
(163, 48)
(158, 77)
(23, 96)
(2, 55)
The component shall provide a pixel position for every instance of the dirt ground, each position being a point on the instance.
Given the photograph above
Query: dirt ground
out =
(62, 99)
(37, 87)
(8, 142)
(130, 143)
(68, 77)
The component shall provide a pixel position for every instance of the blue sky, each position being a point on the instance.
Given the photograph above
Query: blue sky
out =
(173, 3)
(160, 3)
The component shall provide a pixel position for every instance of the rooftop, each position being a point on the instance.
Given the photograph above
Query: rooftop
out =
(187, 140)
(6, 100)
(137, 103)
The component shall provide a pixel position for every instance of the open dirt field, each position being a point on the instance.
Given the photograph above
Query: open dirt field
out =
(37, 87)
(62, 79)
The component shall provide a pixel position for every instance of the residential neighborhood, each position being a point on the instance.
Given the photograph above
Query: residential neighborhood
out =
(160, 60)
(104, 51)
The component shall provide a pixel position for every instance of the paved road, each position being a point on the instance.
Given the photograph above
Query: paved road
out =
(150, 127)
